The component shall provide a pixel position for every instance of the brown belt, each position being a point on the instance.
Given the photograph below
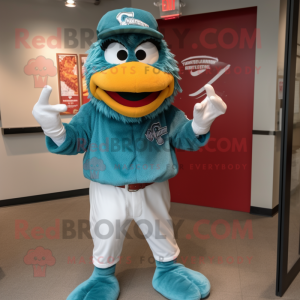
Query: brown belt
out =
(135, 187)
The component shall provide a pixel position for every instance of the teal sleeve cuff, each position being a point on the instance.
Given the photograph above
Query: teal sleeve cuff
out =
(186, 139)
(195, 141)
(204, 138)
(71, 146)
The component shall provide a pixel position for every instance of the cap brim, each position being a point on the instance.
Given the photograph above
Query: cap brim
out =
(130, 29)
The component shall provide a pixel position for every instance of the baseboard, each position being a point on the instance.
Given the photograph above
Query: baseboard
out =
(45, 197)
(267, 212)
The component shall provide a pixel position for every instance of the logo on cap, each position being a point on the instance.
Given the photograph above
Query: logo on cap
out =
(127, 18)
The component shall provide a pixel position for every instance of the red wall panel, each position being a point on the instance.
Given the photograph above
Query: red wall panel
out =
(219, 48)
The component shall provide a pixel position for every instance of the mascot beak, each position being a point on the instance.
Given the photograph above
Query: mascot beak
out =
(133, 89)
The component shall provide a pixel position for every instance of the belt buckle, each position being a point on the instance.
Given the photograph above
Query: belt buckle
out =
(131, 190)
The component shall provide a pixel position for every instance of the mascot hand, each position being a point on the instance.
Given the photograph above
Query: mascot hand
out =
(207, 111)
(48, 116)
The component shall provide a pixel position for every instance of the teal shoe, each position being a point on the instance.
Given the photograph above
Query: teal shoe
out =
(101, 285)
(176, 282)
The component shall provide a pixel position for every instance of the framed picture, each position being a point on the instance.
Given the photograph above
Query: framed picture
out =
(68, 82)
(84, 90)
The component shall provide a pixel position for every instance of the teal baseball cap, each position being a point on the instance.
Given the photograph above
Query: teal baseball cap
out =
(128, 20)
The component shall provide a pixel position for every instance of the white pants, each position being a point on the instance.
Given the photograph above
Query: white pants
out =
(111, 211)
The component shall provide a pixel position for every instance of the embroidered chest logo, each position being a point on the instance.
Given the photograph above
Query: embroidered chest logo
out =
(156, 132)
(127, 18)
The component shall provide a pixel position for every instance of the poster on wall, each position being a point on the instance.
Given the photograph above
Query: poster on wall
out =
(219, 49)
(84, 90)
(68, 82)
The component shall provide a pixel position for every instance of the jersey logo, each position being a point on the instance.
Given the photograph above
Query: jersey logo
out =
(156, 132)
(127, 18)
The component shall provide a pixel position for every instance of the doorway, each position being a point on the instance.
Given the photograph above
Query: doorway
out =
(288, 257)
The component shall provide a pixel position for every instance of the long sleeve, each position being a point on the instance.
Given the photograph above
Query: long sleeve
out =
(78, 133)
(181, 133)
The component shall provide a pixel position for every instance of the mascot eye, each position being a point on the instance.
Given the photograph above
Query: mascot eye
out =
(147, 53)
(116, 53)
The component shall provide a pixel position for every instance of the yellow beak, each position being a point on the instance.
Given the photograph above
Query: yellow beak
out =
(132, 77)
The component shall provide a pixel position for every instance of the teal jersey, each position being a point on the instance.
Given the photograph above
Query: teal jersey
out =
(118, 153)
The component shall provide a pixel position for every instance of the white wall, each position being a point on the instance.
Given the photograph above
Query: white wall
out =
(26, 167)
(265, 157)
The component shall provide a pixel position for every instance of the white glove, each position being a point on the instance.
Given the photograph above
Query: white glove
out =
(48, 117)
(207, 111)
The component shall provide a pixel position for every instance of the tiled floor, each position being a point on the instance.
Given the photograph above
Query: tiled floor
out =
(238, 267)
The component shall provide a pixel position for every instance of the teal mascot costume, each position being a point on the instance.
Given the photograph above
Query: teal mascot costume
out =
(128, 133)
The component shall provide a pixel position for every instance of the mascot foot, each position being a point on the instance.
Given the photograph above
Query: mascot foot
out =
(101, 285)
(176, 282)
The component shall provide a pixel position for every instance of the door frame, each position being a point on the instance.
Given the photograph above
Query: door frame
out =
(284, 277)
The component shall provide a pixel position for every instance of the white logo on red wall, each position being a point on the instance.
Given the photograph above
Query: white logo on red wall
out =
(40, 68)
(210, 69)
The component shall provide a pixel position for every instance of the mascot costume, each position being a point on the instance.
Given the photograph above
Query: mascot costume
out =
(129, 131)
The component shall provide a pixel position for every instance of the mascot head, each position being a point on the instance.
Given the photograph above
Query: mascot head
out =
(131, 74)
